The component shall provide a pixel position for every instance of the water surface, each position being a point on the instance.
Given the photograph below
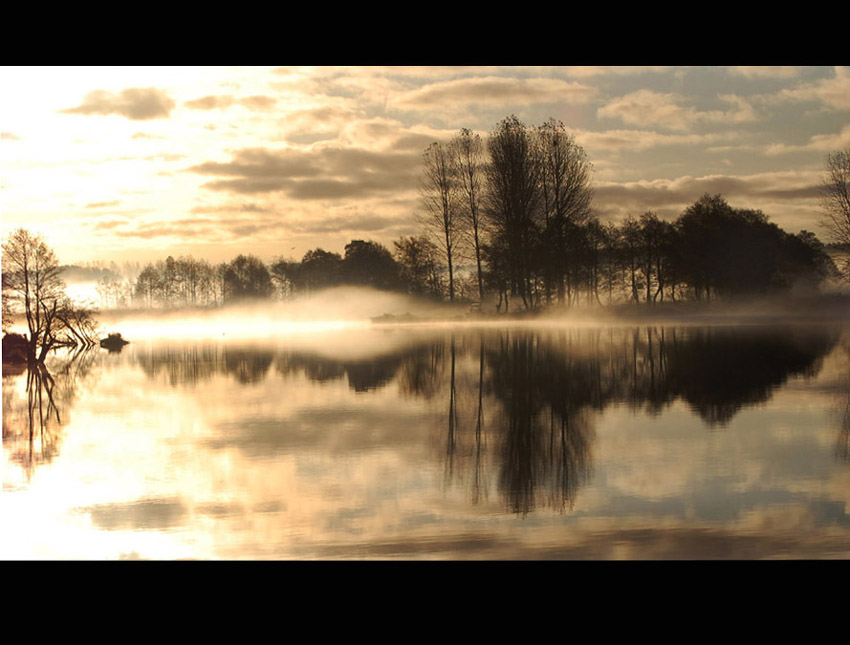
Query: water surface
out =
(451, 442)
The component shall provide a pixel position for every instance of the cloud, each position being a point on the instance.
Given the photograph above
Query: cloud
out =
(137, 104)
(765, 71)
(674, 195)
(317, 123)
(833, 93)
(613, 70)
(258, 102)
(492, 90)
(103, 204)
(210, 102)
(9, 136)
(108, 224)
(640, 140)
(145, 135)
(323, 173)
(649, 108)
(224, 101)
(244, 207)
(819, 143)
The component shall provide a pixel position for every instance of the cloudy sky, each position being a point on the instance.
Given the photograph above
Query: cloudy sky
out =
(118, 163)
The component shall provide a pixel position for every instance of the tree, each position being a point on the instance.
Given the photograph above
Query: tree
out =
(319, 269)
(371, 264)
(147, 285)
(566, 196)
(468, 158)
(420, 269)
(513, 200)
(246, 277)
(31, 282)
(835, 195)
(285, 276)
(439, 196)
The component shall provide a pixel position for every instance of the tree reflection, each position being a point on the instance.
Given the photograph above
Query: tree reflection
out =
(516, 408)
(718, 371)
(537, 393)
(842, 443)
(33, 419)
(544, 393)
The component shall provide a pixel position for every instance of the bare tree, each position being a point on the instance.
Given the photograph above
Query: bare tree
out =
(468, 157)
(440, 201)
(835, 194)
(566, 196)
(31, 282)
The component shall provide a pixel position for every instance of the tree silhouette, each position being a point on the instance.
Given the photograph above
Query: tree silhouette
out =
(513, 201)
(835, 193)
(441, 216)
(468, 159)
(246, 277)
(370, 264)
(31, 282)
(419, 266)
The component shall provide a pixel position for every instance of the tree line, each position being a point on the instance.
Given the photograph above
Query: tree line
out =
(518, 208)
(189, 282)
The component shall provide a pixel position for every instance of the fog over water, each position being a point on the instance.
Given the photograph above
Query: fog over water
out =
(329, 310)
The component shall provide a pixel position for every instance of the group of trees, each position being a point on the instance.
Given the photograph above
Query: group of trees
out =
(32, 287)
(187, 282)
(365, 263)
(519, 210)
(511, 207)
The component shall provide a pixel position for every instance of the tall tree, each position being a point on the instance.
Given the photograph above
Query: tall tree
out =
(835, 194)
(566, 195)
(513, 201)
(441, 215)
(468, 158)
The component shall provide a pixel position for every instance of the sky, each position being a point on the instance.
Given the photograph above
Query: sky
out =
(138, 163)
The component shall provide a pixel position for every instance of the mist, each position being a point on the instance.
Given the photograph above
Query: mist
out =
(330, 320)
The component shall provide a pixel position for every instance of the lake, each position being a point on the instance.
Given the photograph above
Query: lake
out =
(444, 442)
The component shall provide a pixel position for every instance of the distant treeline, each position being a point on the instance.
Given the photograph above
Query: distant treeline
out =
(187, 281)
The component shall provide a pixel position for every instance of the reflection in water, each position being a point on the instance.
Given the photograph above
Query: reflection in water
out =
(511, 419)
(842, 444)
(521, 403)
(36, 401)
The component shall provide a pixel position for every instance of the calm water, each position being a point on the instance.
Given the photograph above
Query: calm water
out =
(436, 443)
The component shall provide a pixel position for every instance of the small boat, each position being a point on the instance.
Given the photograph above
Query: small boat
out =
(113, 342)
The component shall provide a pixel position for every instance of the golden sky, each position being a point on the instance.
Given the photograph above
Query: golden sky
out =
(136, 163)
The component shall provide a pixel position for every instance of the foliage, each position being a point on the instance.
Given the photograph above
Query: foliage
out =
(246, 277)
